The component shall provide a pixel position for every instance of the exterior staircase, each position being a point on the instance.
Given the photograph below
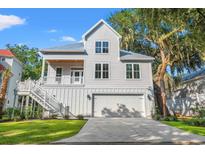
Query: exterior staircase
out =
(34, 90)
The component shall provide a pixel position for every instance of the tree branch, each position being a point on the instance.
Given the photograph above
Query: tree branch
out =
(203, 15)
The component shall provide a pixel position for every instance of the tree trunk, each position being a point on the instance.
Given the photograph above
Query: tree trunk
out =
(3, 91)
(160, 80)
(161, 85)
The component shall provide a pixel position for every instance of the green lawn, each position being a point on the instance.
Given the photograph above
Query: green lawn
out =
(185, 127)
(38, 131)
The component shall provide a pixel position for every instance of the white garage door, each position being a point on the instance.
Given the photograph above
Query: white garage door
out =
(119, 106)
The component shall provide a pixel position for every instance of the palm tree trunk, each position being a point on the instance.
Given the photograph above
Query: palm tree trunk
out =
(6, 77)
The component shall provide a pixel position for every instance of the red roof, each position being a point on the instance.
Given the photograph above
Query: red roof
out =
(6, 53)
(2, 68)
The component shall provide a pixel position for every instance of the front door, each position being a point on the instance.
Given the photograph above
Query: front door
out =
(77, 76)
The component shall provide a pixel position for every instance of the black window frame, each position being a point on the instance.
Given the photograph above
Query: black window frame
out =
(102, 71)
(101, 47)
(134, 71)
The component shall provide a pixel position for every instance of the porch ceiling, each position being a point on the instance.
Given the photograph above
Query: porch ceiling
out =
(64, 61)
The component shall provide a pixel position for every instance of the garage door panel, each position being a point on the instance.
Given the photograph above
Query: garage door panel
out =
(119, 106)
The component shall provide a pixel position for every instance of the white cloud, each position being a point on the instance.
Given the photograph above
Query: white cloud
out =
(7, 21)
(52, 30)
(67, 38)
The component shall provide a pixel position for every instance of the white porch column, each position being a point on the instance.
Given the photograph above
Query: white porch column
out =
(43, 69)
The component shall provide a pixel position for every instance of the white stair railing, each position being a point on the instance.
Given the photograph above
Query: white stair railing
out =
(48, 101)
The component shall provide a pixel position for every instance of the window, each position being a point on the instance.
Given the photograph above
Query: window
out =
(105, 47)
(98, 47)
(132, 71)
(136, 71)
(3, 59)
(105, 71)
(129, 71)
(58, 74)
(101, 71)
(101, 47)
(97, 71)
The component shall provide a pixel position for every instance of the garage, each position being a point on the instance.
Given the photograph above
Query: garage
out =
(118, 105)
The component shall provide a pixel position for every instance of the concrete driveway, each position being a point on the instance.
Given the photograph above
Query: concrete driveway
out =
(130, 131)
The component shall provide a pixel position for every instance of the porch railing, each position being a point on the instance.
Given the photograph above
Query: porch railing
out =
(64, 80)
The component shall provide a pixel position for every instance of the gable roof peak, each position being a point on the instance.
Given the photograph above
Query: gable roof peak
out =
(97, 24)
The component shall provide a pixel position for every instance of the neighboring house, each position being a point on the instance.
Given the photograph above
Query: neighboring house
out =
(8, 60)
(189, 94)
(94, 77)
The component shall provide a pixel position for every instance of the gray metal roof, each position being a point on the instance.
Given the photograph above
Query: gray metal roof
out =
(129, 55)
(76, 47)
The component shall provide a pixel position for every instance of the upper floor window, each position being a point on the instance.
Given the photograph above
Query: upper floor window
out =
(101, 47)
(132, 71)
(101, 71)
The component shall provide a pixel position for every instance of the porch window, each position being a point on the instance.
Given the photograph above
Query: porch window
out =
(58, 74)
(101, 71)
(132, 71)
(101, 47)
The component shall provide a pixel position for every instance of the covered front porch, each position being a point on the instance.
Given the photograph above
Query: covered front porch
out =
(63, 72)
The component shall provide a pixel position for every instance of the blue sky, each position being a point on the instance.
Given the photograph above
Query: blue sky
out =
(47, 27)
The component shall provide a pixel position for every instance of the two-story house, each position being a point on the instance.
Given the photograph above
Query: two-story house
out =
(9, 61)
(96, 78)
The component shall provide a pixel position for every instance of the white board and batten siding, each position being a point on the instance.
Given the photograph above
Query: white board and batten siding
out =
(82, 100)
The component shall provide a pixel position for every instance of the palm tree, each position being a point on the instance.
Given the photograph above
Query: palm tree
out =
(6, 76)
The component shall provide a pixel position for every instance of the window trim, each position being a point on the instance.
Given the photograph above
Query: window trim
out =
(140, 75)
(109, 71)
(102, 47)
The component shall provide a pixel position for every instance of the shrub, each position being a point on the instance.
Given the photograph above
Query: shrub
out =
(199, 111)
(156, 117)
(39, 113)
(12, 113)
(66, 117)
(165, 118)
(80, 117)
(173, 118)
(195, 122)
(8, 113)
(155, 113)
(169, 118)
(54, 116)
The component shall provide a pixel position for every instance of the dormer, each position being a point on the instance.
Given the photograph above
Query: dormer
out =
(102, 39)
